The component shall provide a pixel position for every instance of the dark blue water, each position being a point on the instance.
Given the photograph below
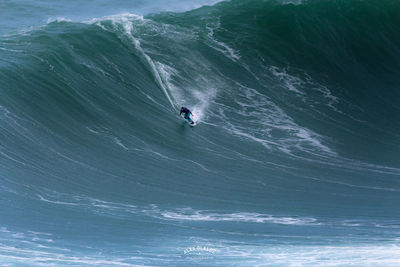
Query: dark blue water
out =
(294, 160)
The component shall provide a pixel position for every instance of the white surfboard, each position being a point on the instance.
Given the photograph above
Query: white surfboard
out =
(192, 125)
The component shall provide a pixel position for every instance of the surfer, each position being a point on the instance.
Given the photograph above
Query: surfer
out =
(187, 113)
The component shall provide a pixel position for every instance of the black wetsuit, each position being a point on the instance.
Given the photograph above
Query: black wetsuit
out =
(187, 114)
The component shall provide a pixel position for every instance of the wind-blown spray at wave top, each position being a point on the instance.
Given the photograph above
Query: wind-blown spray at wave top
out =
(295, 159)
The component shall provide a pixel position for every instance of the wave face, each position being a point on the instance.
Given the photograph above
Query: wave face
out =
(294, 161)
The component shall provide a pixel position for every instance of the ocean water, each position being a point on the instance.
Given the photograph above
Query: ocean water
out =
(295, 159)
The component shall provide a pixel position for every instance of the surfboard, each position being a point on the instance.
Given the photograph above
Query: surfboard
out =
(192, 125)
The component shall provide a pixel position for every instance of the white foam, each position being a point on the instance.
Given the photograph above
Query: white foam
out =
(95, 68)
(40, 233)
(4, 230)
(186, 214)
(311, 255)
(262, 121)
(11, 50)
(219, 45)
(247, 217)
(47, 258)
(202, 88)
(92, 131)
(12, 159)
(56, 201)
(58, 19)
(122, 17)
(291, 82)
(45, 61)
(304, 85)
(293, 2)
(203, 101)
(119, 142)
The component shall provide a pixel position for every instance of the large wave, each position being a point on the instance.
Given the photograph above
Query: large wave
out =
(298, 123)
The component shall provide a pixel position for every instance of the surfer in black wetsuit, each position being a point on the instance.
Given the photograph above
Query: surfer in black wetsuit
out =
(187, 113)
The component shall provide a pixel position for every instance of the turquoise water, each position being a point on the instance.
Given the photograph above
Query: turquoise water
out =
(294, 159)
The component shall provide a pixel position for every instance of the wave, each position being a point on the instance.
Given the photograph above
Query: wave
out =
(262, 93)
(296, 144)
(198, 58)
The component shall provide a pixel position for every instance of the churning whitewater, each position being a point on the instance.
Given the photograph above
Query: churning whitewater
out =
(294, 160)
